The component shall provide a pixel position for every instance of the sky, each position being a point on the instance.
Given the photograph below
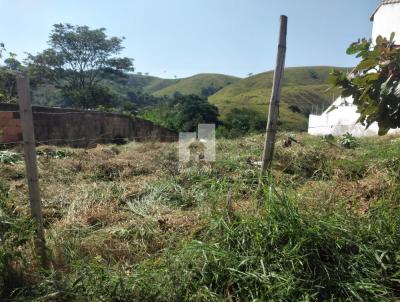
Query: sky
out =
(169, 38)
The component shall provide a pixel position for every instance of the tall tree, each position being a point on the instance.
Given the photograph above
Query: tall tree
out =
(78, 60)
(374, 83)
(8, 69)
(183, 112)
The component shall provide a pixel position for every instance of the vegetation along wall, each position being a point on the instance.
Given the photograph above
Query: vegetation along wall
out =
(77, 128)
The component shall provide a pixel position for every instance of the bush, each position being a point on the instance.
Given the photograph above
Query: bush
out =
(183, 113)
(10, 158)
(242, 121)
(348, 141)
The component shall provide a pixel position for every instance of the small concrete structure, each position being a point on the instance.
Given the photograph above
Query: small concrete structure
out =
(342, 116)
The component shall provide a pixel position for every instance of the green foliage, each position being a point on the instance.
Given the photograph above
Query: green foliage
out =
(54, 153)
(241, 121)
(2, 49)
(9, 157)
(8, 70)
(348, 141)
(78, 59)
(183, 113)
(202, 85)
(375, 82)
(89, 97)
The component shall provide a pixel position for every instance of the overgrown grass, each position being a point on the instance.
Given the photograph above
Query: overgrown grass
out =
(131, 223)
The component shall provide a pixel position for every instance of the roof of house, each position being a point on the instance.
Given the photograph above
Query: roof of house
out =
(384, 2)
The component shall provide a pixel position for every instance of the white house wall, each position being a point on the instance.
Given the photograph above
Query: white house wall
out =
(341, 120)
(386, 21)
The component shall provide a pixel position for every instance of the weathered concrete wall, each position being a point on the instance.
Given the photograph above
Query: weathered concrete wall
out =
(76, 128)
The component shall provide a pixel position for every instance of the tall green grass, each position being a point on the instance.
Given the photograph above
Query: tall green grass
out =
(277, 254)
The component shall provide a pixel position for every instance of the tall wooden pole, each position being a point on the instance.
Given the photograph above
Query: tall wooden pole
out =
(25, 109)
(275, 98)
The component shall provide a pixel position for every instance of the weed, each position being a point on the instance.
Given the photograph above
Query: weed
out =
(54, 153)
(348, 141)
(9, 157)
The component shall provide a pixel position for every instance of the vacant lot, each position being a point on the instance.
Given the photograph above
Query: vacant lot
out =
(130, 223)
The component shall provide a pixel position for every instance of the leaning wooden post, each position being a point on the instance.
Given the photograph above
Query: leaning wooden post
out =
(25, 109)
(275, 98)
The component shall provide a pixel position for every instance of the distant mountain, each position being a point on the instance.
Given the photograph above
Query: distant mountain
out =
(201, 84)
(304, 89)
(149, 84)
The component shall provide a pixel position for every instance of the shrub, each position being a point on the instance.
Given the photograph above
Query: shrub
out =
(53, 153)
(10, 158)
(240, 121)
(348, 141)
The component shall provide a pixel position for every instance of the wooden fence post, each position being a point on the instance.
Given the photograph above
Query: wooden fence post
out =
(25, 109)
(275, 99)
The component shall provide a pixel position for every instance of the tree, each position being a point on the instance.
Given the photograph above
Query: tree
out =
(183, 113)
(241, 121)
(191, 110)
(295, 109)
(210, 90)
(8, 70)
(78, 60)
(374, 83)
(2, 49)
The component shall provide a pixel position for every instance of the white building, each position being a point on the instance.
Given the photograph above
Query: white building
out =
(342, 116)
(386, 19)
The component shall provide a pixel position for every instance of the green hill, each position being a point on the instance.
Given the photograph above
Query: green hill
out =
(149, 84)
(304, 90)
(143, 83)
(200, 84)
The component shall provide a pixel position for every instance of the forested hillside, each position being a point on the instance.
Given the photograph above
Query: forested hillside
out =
(305, 89)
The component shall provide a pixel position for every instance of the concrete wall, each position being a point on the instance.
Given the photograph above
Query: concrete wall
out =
(79, 128)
